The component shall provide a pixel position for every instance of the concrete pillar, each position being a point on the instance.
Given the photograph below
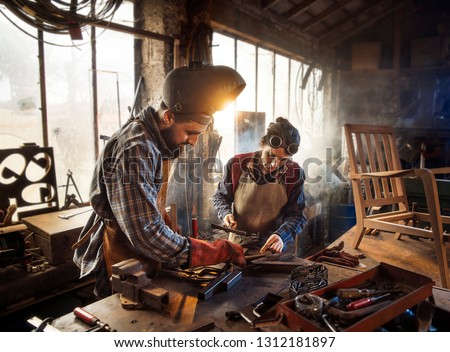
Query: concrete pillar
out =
(165, 17)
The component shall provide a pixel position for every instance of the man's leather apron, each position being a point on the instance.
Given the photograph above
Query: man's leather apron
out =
(117, 247)
(257, 207)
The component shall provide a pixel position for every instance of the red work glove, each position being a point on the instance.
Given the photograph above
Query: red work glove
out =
(205, 253)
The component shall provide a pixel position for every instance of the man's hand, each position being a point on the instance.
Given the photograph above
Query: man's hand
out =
(228, 221)
(274, 244)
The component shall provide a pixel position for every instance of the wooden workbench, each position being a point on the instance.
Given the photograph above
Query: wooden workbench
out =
(186, 312)
(53, 236)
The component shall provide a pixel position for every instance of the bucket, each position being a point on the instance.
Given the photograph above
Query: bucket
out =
(342, 217)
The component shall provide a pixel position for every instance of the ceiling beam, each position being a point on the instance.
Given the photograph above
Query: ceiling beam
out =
(324, 14)
(298, 9)
(350, 18)
(402, 7)
(265, 4)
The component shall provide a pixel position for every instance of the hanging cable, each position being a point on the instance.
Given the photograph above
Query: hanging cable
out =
(62, 17)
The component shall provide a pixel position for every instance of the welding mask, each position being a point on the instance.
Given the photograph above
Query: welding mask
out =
(198, 91)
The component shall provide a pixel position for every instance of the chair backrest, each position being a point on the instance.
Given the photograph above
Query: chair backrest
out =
(374, 149)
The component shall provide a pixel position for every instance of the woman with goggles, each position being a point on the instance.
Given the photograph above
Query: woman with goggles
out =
(262, 192)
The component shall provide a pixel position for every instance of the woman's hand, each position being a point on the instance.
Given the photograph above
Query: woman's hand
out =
(228, 221)
(274, 244)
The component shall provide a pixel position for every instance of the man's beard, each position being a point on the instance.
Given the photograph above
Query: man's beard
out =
(167, 136)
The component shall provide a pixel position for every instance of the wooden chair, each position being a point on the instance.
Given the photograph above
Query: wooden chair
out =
(376, 177)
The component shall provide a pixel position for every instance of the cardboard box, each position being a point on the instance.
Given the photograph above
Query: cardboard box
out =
(416, 287)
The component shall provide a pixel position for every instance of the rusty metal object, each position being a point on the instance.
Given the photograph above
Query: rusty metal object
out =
(223, 282)
(135, 288)
(227, 229)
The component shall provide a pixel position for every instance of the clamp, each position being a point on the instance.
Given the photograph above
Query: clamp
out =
(135, 288)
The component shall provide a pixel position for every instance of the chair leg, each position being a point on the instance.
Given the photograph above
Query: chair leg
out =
(358, 236)
(441, 254)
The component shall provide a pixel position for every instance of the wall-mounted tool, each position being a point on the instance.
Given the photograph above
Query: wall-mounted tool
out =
(135, 288)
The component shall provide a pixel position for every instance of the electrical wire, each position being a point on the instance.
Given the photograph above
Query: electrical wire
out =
(61, 17)
(47, 42)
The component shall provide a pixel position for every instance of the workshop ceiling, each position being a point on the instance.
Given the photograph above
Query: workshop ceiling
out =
(332, 22)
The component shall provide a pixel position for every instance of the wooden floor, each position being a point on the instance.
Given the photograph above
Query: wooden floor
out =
(413, 255)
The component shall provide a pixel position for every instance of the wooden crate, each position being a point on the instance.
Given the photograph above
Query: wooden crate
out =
(55, 236)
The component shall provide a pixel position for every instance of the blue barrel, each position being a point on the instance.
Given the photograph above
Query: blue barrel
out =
(342, 217)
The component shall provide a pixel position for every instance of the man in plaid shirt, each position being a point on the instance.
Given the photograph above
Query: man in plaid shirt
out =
(127, 222)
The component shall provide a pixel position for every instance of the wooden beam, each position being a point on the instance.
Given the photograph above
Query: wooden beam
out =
(298, 9)
(324, 14)
(343, 36)
(265, 4)
(352, 17)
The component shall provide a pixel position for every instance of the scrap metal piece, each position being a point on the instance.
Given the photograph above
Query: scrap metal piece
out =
(213, 287)
(227, 229)
(135, 288)
(224, 282)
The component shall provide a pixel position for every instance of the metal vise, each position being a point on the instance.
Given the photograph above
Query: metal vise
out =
(135, 288)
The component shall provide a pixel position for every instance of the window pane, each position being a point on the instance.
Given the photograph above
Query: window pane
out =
(223, 53)
(246, 66)
(281, 86)
(69, 110)
(20, 117)
(265, 83)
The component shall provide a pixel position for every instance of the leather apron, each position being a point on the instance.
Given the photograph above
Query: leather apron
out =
(257, 207)
(117, 247)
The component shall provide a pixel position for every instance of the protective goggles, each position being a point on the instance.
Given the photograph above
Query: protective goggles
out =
(276, 142)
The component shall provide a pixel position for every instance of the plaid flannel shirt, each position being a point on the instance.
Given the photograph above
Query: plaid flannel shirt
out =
(125, 185)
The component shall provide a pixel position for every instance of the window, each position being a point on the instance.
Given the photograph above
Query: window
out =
(276, 86)
(69, 93)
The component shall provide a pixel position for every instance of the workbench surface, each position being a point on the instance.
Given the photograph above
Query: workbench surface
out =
(187, 313)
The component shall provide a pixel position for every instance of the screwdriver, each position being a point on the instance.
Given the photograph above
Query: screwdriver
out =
(364, 302)
(91, 320)
(353, 293)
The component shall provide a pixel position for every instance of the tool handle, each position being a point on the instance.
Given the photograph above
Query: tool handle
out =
(360, 303)
(354, 293)
(226, 229)
(85, 317)
(363, 302)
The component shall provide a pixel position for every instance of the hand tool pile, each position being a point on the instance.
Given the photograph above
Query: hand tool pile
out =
(306, 278)
(345, 306)
(336, 255)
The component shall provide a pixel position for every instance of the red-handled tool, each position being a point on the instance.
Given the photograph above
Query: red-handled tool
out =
(91, 320)
(364, 302)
